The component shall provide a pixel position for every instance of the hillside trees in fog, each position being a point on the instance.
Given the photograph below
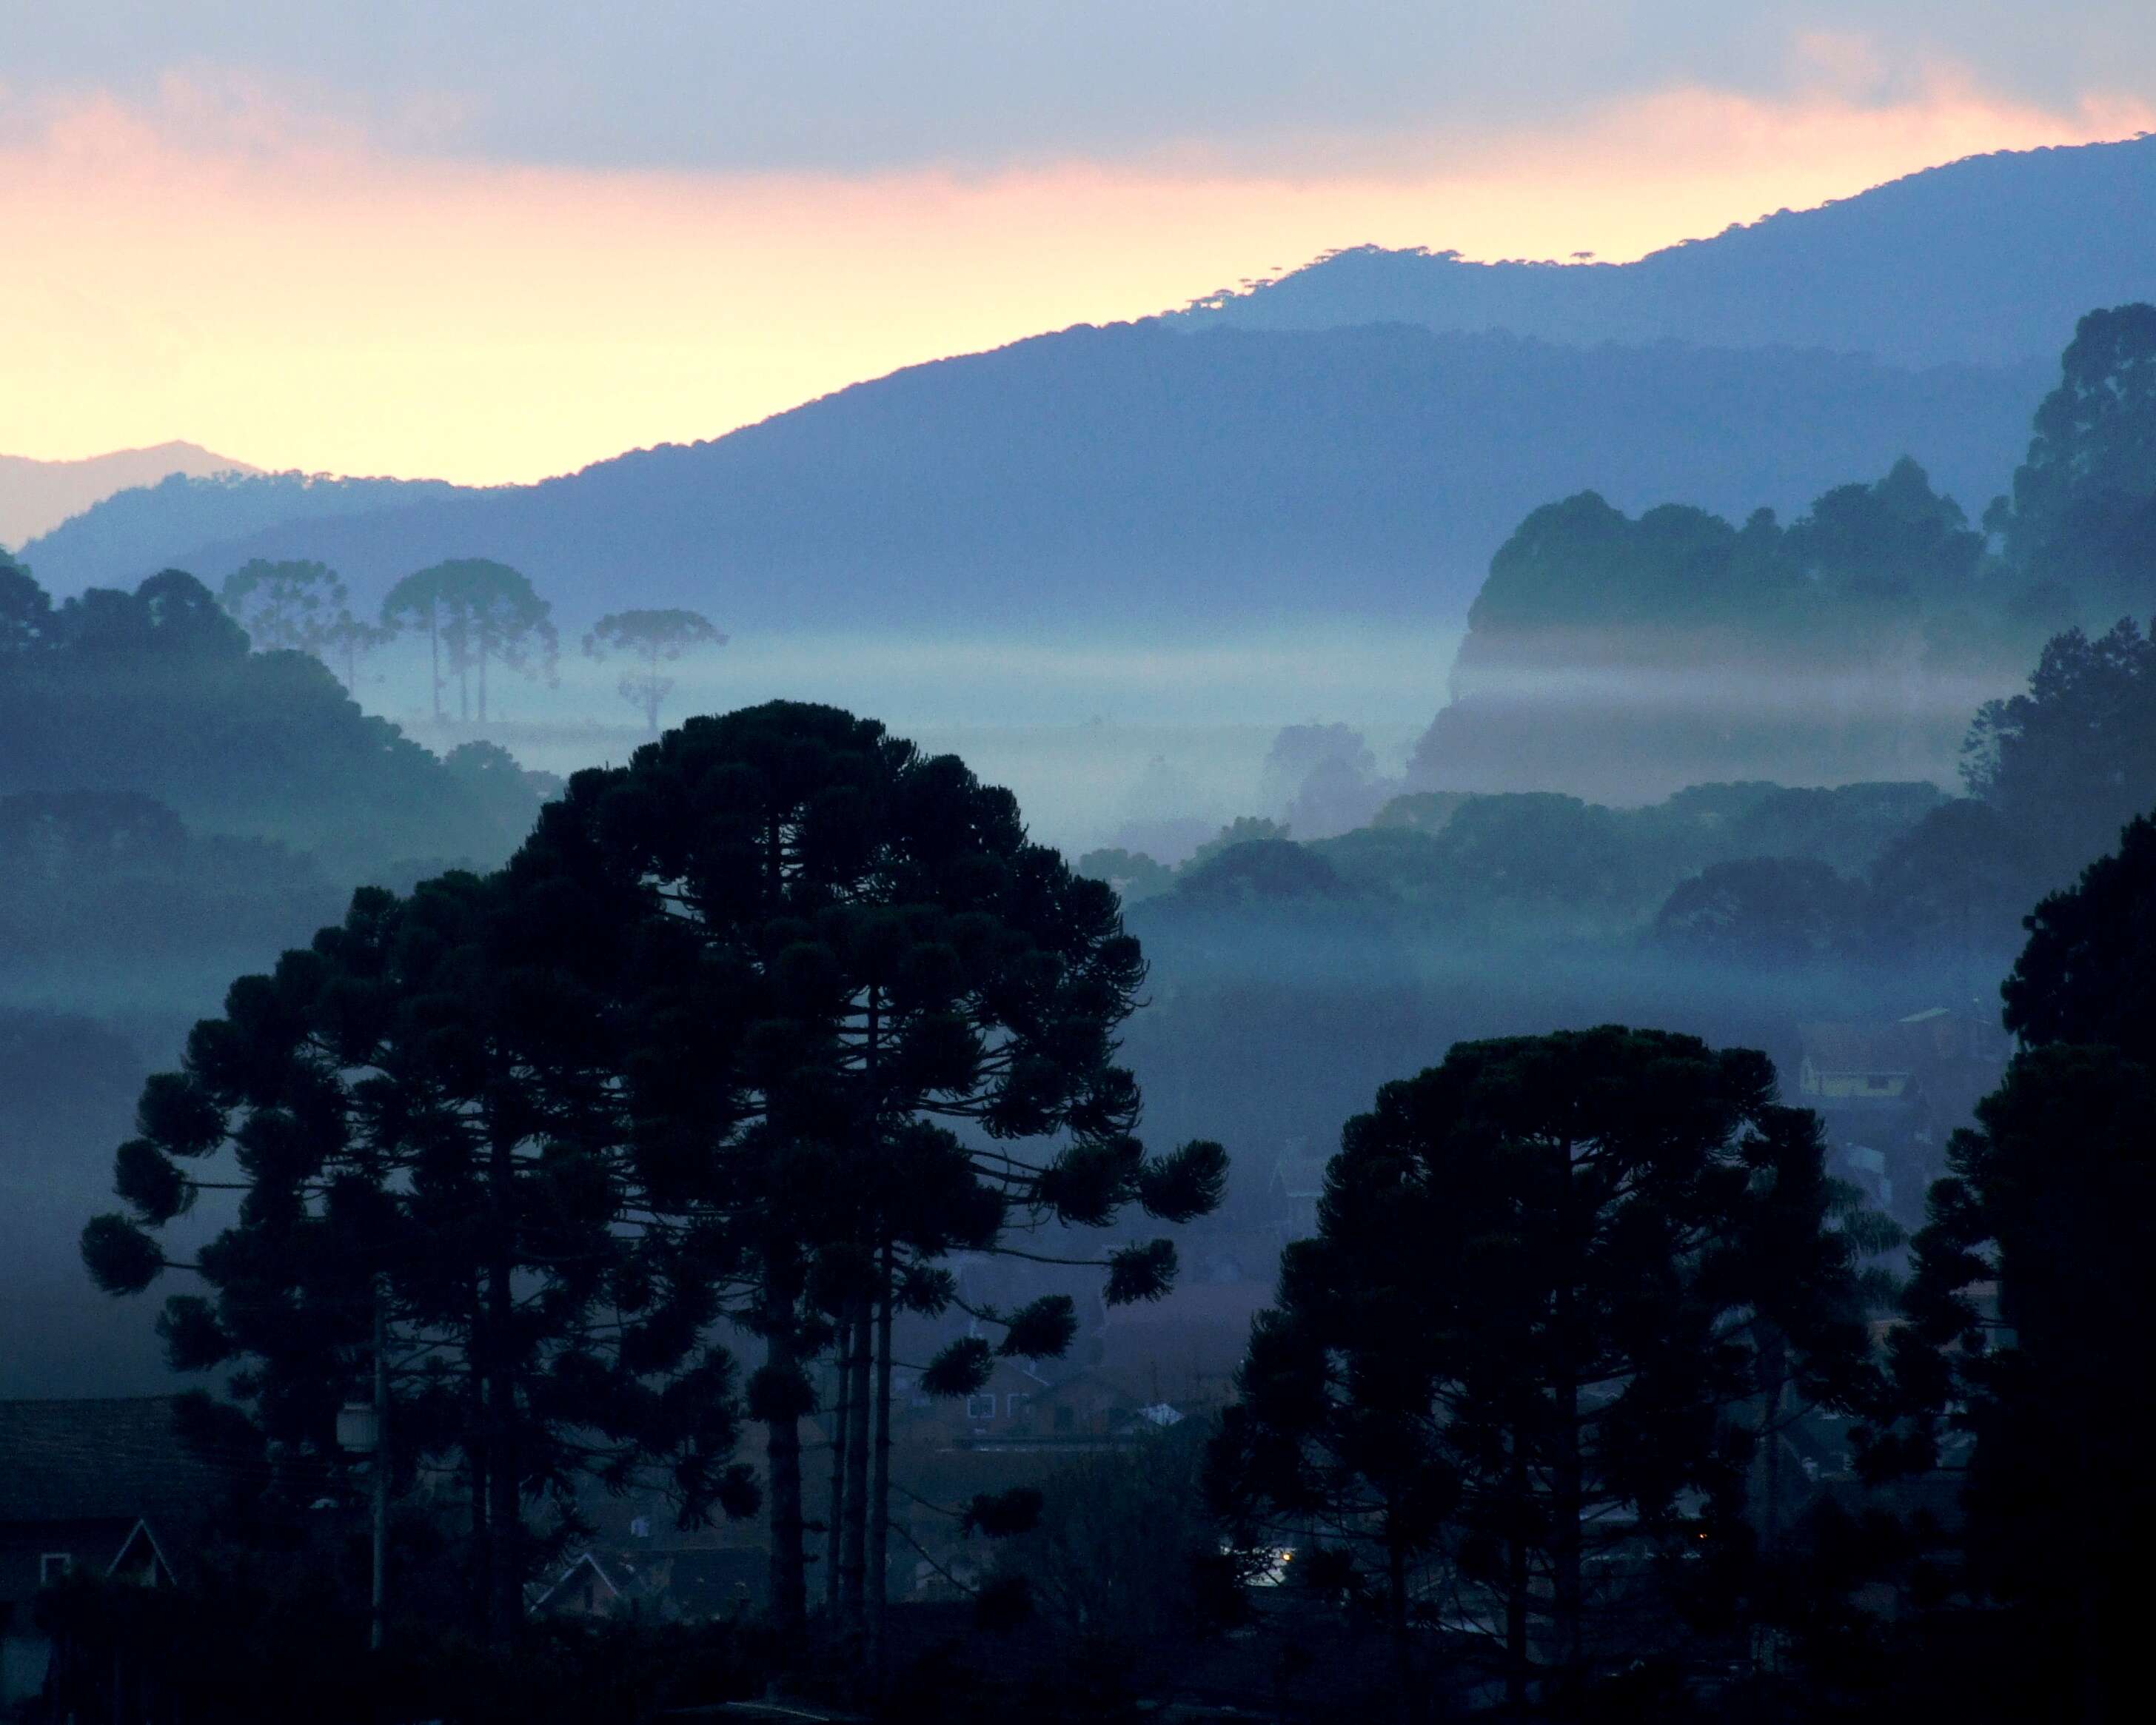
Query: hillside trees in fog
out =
(421, 1111)
(476, 613)
(115, 876)
(890, 1031)
(2083, 510)
(1561, 1288)
(2074, 759)
(155, 693)
(1618, 655)
(649, 639)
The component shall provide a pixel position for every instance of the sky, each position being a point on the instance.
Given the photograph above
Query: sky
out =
(496, 240)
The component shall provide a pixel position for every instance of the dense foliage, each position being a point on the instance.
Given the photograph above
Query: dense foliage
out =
(155, 694)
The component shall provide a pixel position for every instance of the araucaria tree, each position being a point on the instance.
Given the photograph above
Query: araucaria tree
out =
(423, 1114)
(649, 639)
(1560, 1284)
(475, 613)
(299, 607)
(883, 1029)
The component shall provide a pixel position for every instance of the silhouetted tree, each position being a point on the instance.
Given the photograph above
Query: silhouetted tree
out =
(300, 607)
(651, 639)
(2088, 973)
(2073, 760)
(2084, 506)
(284, 606)
(870, 954)
(423, 1114)
(477, 612)
(2048, 1202)
(25, 613)
(1555, 1281)
(1132, 874)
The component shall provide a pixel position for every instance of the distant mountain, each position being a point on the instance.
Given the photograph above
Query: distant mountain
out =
(36, 496)
(1986, 261)
(1137, 478)
(134, 533)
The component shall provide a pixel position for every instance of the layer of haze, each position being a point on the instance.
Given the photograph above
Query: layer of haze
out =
(384, 262)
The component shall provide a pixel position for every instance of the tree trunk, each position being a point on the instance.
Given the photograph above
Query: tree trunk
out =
(1516, 1582)
(1568, 1471)
(505, 1471)
(789, 1582)
(1568, 1605)
(1396, 1604)
(841, 1413)
(505, 1505)
(1774, 1373)
(853, 1574)
(879, 1553)
(475, 1458)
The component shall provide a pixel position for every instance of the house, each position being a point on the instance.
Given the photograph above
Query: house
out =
(104, 1488)
(1860, 1065)
(1891, 1094)
(671, 1585)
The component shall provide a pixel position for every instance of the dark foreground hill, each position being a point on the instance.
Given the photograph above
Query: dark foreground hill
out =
(1103, 479)
(1985, 261)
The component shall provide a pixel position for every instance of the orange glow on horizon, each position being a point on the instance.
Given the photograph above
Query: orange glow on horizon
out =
(306, 302)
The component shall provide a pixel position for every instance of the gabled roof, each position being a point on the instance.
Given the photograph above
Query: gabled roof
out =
(583, 1560)
(1856, 1048)
(118, 1459)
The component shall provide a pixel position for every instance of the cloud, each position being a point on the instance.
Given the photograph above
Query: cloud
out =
(973, 86)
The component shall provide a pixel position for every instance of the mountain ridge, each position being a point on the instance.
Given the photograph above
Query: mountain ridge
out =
(1141, 476)
(37, 496)
(1985, 261)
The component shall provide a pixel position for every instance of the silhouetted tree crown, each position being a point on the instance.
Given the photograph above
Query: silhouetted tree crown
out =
(2084, 504)
(886, 1030)
(1558, 1287)
(476, 613)
(649, 639)
(2073, 760)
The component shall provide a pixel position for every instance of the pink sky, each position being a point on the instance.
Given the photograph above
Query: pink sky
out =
(291, 296)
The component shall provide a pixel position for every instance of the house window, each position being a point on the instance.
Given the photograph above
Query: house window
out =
(52, 1565)
(981, 1407)
(1017, 1401)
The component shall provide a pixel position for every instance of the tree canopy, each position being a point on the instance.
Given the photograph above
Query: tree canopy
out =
(649, 639)
(891, 1023)
(2074, 759)
(476, 613)
(1558, 1289)
(422, 1110)
(2084, 504)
